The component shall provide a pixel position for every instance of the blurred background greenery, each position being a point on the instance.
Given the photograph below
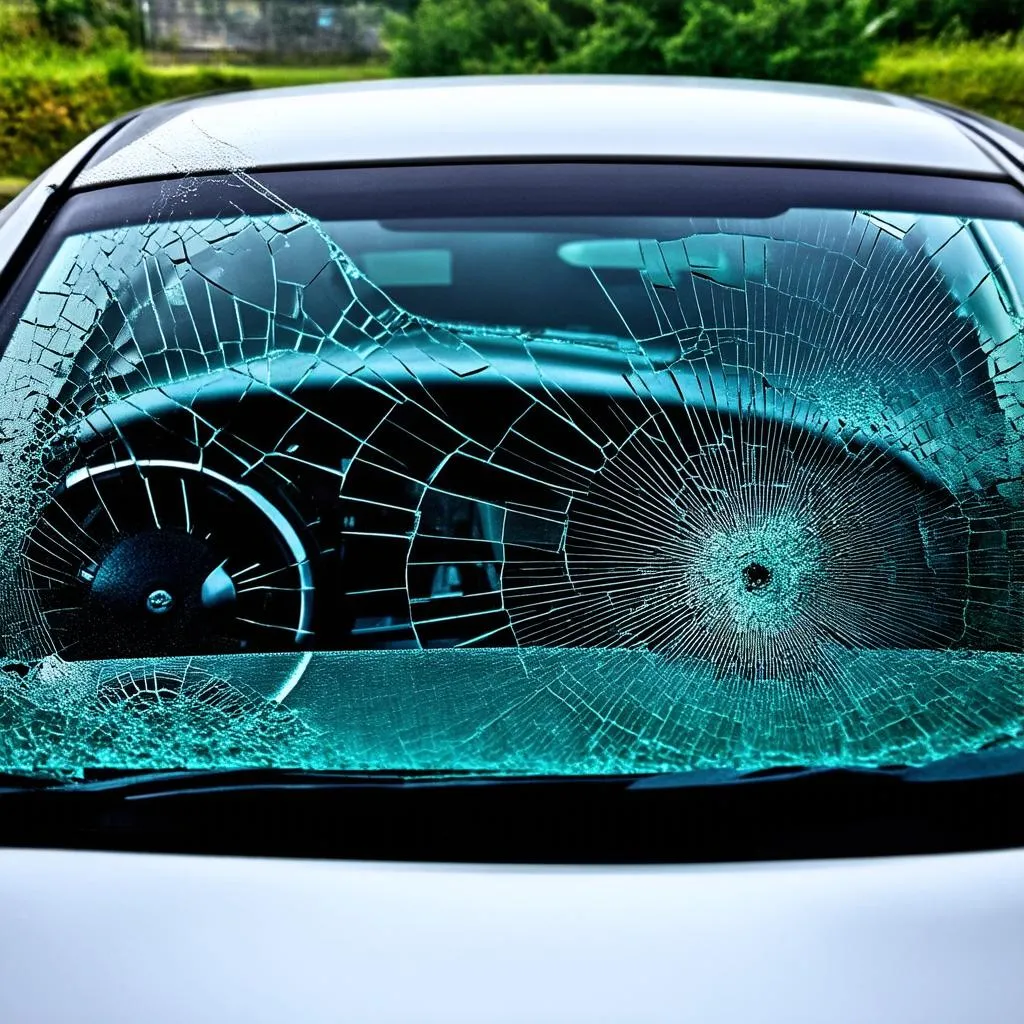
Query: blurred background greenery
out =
(68, 66)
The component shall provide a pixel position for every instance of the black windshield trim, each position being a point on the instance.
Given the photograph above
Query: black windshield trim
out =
(818, 815)
(509, 187)
(571, 188)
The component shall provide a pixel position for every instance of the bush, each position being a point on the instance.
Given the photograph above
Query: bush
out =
(623, 37)
(89, 23)
(50, 98)
(813, 40)
(466, 37)
(947, 20)
(48, 101)
(18, 27)
(794, 40)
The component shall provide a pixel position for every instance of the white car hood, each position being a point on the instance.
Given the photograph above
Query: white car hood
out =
(107, 937)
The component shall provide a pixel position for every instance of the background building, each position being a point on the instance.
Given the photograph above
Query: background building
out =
(271, 29)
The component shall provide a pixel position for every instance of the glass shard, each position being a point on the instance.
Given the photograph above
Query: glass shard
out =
(523, 494)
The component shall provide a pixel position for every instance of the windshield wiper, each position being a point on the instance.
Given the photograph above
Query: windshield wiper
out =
(16, 782)
(142, 784)
(774, 776)
(983, 764)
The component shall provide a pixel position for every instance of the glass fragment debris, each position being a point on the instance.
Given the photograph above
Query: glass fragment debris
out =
(539, 495)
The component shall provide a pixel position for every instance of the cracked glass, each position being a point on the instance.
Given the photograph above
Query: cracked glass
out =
(332, 470)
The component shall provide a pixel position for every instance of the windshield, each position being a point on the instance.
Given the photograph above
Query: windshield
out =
(557, 470)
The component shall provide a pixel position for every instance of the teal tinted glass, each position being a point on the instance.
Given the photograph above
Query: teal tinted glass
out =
(540, 493)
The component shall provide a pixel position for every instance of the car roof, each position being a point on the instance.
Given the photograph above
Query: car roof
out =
(544, 117)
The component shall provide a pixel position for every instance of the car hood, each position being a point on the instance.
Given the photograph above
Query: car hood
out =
(127, 937)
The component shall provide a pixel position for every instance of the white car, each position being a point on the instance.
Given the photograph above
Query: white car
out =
(539, 549)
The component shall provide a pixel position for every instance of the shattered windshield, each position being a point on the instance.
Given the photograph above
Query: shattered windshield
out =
(333, 471)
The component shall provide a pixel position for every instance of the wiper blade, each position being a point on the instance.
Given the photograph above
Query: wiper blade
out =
(17, 782)
(730, 777)
(984, 764)
(206, 779)
(143, 784)
(138, 785)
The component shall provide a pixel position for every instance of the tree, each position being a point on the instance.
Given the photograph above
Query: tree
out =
(623, 38)
(77, 22)
(810, 40)
(795, 40)
(465, 37)
(905, 20)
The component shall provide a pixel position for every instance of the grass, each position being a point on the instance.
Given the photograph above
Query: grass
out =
(257, 76)
(983, 76)
(270, 77)
(58, 67)
(9, 188)
(49, 99)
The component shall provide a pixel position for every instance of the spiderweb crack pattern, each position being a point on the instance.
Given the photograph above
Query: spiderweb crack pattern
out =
(64, 717)
(777, 520)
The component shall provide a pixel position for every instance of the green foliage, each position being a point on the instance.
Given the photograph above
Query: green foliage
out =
(816, 40)
(19, 27)
(795, 40)
(50, 98)
(89, 24)
(9, 188)
(48, 104)
(947, 20)
(987, 77)
(264, 77)
(465, 37)
(621, 38)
